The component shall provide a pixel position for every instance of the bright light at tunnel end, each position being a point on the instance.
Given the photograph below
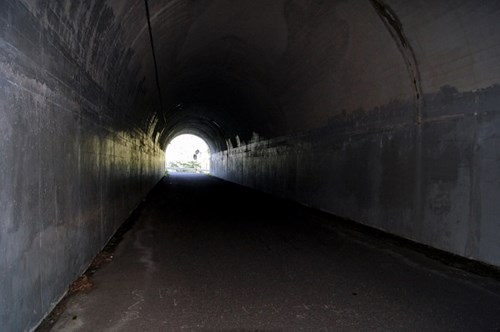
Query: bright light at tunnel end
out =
(187, 153)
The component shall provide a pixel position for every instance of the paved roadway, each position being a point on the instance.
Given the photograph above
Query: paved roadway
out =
(206, 255)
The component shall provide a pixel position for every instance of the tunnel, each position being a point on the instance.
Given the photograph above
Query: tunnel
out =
(384, 113)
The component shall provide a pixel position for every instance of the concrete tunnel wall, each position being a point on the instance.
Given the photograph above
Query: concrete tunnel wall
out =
(74, 162)
(407, 139)
(384, 112)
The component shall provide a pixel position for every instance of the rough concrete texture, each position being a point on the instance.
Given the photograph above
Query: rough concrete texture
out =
(385, 112)
(434, 183)
(419, 160)
(71, 168)
(189, 264)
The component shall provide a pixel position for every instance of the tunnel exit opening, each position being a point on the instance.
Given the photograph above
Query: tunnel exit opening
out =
(187, 153)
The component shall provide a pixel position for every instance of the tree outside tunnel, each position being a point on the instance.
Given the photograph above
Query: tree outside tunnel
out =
(187, 153)
(383, 112)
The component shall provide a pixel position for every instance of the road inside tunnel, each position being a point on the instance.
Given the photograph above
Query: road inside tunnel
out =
(383, 112)
(209, 255)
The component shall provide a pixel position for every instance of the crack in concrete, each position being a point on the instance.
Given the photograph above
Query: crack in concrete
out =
(395, 28)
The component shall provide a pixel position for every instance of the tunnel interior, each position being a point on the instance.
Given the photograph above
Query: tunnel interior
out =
(381, 112)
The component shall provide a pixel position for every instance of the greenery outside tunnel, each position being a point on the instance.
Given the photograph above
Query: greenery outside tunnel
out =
(382, 112)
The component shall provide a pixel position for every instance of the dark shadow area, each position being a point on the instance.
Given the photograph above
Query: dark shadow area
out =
(209, 255)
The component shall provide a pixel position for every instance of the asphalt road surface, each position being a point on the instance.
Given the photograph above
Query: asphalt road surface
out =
(207, 255)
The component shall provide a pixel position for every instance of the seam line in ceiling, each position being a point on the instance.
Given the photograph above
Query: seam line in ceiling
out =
(151, 41)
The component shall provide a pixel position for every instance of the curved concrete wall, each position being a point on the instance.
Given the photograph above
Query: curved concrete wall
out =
(384, 112)
(406, 137)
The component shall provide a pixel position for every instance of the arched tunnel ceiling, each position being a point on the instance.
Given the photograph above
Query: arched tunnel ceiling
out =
(384, 112)
(269, 67)
(275, 68)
